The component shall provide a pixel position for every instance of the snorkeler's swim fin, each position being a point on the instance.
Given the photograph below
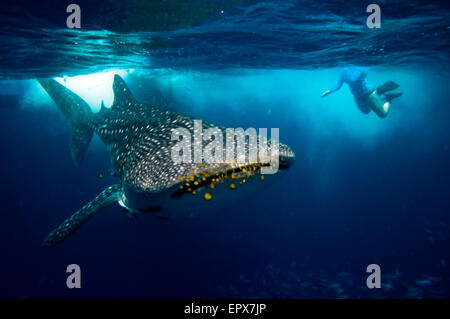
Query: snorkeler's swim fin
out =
(389, 96)
(71, 224)
(388, 86)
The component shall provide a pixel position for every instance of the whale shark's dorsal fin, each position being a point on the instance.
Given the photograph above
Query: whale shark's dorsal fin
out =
(122, 94)
(71, 224)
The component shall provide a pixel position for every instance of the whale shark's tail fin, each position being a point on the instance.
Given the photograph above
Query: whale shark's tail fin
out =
(71, 224)
(77, 111)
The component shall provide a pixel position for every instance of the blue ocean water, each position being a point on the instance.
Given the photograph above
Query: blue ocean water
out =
(363, 190)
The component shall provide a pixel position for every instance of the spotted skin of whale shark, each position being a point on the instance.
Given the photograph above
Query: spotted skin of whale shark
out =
(138, 137)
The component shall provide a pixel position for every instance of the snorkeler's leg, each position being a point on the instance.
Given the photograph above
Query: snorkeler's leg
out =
(378, 106)
(362, 105)
(388, 86)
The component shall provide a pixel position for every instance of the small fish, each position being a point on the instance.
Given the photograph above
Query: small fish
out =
(433, 279)
(397, 274)
(414, 292)
(423, 283)
(387, 286)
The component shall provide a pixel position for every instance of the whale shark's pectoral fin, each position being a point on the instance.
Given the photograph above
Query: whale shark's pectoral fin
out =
(71, 224)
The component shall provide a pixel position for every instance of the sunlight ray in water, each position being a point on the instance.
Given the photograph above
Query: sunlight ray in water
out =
(95, 87)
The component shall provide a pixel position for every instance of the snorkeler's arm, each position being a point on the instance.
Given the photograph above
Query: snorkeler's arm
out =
(336, 87)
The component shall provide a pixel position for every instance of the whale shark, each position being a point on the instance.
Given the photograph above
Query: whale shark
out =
(138, 137)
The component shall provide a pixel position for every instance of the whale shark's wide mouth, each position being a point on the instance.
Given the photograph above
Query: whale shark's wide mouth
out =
(191, 185)
(285, 162)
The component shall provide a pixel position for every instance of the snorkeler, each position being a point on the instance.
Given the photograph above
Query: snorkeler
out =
(366, 97)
